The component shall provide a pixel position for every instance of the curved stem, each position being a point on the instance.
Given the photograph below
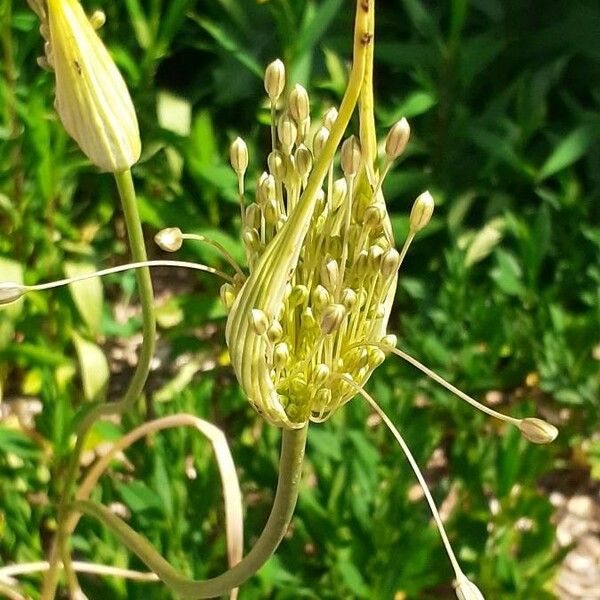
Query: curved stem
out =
(416, 470)
(127, 267)
(290, 470)
(126, 189)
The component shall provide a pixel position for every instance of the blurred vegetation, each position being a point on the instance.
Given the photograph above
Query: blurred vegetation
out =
(501, 293)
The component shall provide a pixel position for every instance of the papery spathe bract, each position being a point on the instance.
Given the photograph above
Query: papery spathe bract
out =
(92, 99)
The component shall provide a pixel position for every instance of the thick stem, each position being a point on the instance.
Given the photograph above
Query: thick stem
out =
(290, 471)
(136, 385)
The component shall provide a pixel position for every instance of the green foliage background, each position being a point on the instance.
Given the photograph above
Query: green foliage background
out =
(501, 292)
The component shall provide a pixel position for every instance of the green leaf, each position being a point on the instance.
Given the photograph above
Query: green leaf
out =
(87, 295)
(568, 151)
(139, 497)
(93, 367)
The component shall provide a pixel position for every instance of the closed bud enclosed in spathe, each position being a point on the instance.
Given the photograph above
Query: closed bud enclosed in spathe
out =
(92, 99)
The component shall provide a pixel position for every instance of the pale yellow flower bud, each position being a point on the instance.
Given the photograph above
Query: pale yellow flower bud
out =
(169, 239)
(351, 156)
(287, 132)
(276, 165)
(274, 79)
(340, 191)
(538, 431)
(275, 331)
(319, 141)
(421, 212)
(299, 104)
(303, 160)
(330, 117)
(227, 294)
(281, 355)
(330, 273)
(349, 299)
(11, 292)
(332, 318)
(397, 139)
(238, 155)
(92, 99)
(259, 321)
(467, 590)
(390, 263)
(97, 19)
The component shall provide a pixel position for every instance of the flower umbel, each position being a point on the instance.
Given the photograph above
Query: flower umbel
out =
(92, 99)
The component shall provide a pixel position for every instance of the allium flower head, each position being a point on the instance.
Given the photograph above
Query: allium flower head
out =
(323, 272)
(92, 99)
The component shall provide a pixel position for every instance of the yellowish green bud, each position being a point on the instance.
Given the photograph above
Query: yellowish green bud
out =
(330, 117)
(287, 132)
(252, 216)
(11, 292)
(332, 318)
(421, 212)
(97, 19)
(537, 431)
(299, 295)
(238, 155)
(227, 294)
(274, 79)
(92, 99)
(330, 273)
(389, 340)
(320, 298)
(351, 156)
(375, 257)
(390, 263)
(340, 191)
(267, 188)
(397, 139)
(259, 321)
(321, 375)
(320, 140)
(374, 215)
(275, 331)
(276, 164)
(271, 212)
(281, 355)
(467, 590)
(349, 299)
(303, 161)
(299, 104)
(251, 239)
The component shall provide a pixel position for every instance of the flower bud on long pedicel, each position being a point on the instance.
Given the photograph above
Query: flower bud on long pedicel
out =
(169, 239)
(276, 165)
(390, 263)
(92, 99)
(303, 160)
(421, 212)
(397, 139)
(299, 104)
(238, 155)
(11, 292)
(330, 274)
(227, 294)
(332, 318)
(259, 321)
(287, 132)
(537, 430)
(97, 19)
(351, 156)
(320, 140)
(330, 117)
(467, 590)
(340, 191)
(274, 79)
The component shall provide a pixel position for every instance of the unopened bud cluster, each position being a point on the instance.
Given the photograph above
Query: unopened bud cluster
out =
(337, 299)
